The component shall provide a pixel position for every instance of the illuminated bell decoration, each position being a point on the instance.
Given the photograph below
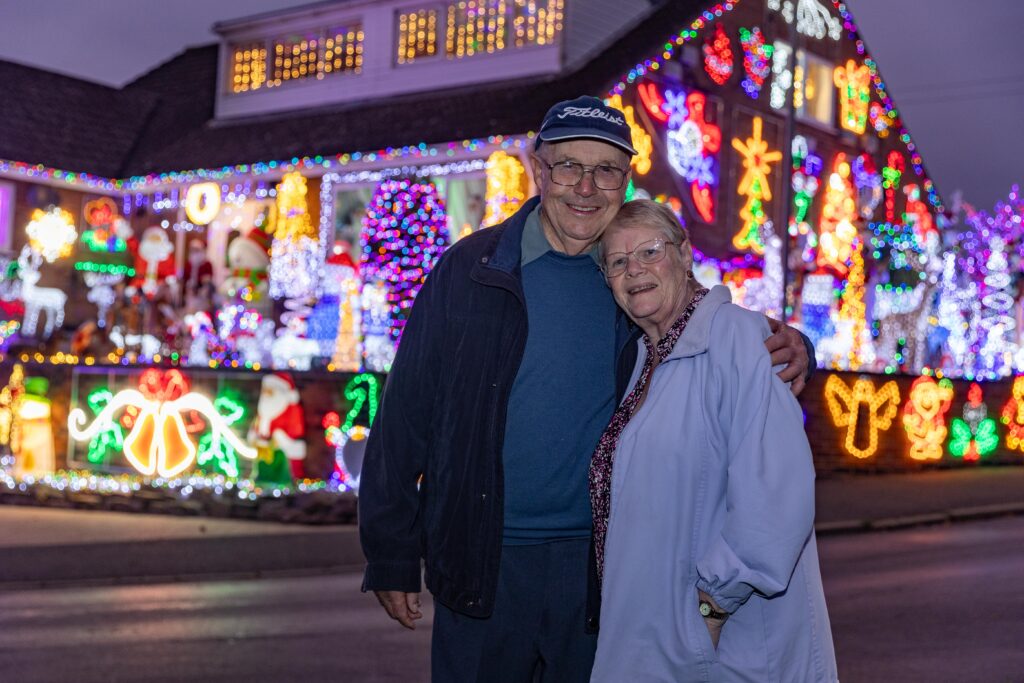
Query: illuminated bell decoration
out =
(641, 161)
(924, 417)
(754, 184)
(158, 442)
(975, 435)
(844, 404)
(52, 233)
(202, 203)
(507, 186)
(854, 84)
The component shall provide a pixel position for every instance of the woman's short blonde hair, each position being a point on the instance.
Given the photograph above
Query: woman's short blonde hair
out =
(646, 213)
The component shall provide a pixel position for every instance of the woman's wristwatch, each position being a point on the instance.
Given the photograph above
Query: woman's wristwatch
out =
(709, 612)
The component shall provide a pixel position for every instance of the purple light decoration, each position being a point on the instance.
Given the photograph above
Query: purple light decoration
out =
(404, 233)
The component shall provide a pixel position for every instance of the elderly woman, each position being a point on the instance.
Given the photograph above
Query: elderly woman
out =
(703, 526)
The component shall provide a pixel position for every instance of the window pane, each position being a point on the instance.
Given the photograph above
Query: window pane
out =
(295, 57)
(813, 92)
(343, 50)
(417, 35)
(476, 26)
(248, 67)
(536, 22)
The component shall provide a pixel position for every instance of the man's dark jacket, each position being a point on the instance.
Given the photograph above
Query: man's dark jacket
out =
(442, 416)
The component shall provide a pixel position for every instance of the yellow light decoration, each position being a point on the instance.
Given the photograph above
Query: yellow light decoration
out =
(202, 203)
(755, 185)
(10, 399)
(158, 443)
(852, 305)
(854, 83)
(924, 417)
(507, 186)
(1012, 416)
(838, 212)
(642, 142)
(844, 405)
(52, 233)
(292, 215)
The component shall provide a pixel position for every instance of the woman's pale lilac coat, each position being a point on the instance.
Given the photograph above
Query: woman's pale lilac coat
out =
(713, 488)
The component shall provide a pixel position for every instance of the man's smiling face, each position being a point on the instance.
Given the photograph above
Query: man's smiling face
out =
(575, 217)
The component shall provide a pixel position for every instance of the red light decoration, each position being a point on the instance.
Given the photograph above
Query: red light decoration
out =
(718, 56)
(654, 103)
(891, 174)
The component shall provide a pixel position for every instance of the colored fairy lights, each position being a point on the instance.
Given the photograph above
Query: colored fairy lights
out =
(295, 250)
(838, 214)
(693, 144)
(404, 233)
(757, 60)
(845, 405)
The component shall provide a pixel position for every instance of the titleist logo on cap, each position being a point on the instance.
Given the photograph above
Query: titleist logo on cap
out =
(591, 113)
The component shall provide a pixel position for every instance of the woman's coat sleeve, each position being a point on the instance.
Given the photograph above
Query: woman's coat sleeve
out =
(770, 490)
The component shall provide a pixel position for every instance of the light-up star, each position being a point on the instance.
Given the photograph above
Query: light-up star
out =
(756, 162)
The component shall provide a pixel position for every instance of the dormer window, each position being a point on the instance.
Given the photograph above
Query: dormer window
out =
(296, 56)
(479, 26)
(417, 35)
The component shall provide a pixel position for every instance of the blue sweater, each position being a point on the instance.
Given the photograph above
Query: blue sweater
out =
(561, 401)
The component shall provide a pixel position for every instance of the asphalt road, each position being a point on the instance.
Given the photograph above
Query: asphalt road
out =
(929, 604)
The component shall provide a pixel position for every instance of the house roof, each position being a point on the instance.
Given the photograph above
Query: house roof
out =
(164, 120)
(69, 123)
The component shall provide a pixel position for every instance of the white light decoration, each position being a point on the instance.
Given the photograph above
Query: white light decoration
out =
(813, 19)
(38, 300)
(782, 75)
(378, 347)
(51, 233)
(998, 325)
(202, 203)
(950, 316)
(764, 294)
(686, 150)
(147, 446)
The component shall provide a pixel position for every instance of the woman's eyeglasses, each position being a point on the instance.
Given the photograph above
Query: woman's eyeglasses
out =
(648, 252)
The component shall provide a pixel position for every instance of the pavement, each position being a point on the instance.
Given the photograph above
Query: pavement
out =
(52, 547)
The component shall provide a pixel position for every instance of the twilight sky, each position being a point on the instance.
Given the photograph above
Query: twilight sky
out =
(956, 74)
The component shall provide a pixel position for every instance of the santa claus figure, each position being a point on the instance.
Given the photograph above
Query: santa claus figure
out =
(154, 261)
(278, 432)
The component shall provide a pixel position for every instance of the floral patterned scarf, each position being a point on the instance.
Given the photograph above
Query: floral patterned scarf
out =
(604, 455)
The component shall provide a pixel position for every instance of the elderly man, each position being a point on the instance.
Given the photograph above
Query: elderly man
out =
(511, 364)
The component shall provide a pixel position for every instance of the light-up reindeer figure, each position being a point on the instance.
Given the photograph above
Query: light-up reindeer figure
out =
(38, 299)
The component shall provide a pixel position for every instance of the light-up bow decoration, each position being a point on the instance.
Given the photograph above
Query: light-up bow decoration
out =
(158, 442)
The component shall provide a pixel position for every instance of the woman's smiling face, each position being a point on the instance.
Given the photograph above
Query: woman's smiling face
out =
(652, 294)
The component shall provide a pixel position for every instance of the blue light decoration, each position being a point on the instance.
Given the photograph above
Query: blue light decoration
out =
(757, 60)
(404, 234)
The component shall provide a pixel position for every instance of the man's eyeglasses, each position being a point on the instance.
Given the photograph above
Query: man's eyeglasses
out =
(652, 251)
(570, 173)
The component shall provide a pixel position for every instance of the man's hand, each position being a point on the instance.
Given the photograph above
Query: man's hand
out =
(787, 346)
(714, 625)
(400, 606)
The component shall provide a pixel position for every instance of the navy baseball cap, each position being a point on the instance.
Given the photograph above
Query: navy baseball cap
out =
(586, 118)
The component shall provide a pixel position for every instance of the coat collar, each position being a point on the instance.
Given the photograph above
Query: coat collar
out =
(697, 335)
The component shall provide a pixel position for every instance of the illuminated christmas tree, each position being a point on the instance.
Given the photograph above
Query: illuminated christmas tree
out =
(853, 313)
(755, 185)
(404, 233)
(507, 187)
(295, 251)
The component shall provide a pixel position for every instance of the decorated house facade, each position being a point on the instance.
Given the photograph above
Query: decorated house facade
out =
(207, 272)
